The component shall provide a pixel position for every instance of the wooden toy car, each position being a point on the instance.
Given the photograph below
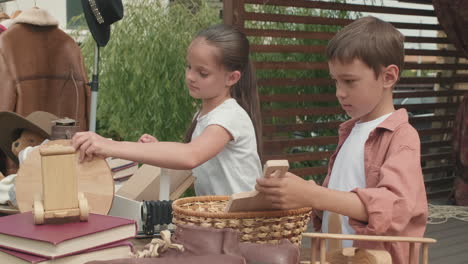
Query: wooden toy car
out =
(60, 197)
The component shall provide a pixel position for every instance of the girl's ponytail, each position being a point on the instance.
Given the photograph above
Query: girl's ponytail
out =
(246, 94)
(189, 132)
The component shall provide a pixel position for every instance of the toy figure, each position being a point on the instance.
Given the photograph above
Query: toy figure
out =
(18, 136)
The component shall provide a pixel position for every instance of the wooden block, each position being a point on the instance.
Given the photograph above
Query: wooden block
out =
(143, 185)
(181, 180)
(349, 252)
(334, 227)
(357, 255)
(59, 177)
(253, 200)
(182, 188)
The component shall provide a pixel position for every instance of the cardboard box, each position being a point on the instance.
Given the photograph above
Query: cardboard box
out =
(153, 183)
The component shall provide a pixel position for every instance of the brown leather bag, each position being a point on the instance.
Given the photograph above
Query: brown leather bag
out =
(224, 259)
(201, 240)
(210, 245)
(198, 241)
(201, 246)
(283, 253)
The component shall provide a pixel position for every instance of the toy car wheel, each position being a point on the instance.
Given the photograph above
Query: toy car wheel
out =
(84, 209)
(38, 213)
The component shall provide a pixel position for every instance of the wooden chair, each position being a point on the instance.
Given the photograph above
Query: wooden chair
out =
(337, 255)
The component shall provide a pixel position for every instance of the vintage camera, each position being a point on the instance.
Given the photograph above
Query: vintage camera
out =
(64, 128)
(155, 216)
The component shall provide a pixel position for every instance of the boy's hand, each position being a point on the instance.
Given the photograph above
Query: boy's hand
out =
(288, 192)
(145, 138)
(90, 144)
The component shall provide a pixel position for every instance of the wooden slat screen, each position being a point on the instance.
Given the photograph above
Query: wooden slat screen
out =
(299, 109)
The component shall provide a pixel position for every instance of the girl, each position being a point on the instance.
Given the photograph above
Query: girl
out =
(223, 142)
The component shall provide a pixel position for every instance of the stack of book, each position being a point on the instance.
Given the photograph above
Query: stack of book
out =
(122, 169)
(102, 237)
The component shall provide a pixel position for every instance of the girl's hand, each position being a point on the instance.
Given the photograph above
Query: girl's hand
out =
(287, 192)
(145, 138)
(90, 144)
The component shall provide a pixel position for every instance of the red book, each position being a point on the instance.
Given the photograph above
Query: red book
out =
(116, 250)
(18, 232)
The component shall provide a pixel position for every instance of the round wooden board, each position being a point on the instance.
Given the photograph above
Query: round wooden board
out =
(94, 180)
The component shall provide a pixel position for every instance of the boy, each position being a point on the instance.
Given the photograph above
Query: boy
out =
(374, 178)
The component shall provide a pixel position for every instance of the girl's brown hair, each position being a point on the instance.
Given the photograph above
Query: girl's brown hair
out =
(234, 50)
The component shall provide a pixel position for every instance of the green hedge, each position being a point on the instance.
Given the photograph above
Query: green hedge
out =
(142, 87)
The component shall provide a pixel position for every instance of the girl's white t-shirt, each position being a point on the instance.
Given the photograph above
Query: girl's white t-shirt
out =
(238, 165)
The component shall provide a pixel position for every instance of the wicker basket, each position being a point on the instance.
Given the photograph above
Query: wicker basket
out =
(257, 227)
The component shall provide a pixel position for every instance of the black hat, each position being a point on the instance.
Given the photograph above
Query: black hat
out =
(100, 14)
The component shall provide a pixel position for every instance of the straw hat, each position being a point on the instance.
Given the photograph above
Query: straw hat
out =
(12, 124)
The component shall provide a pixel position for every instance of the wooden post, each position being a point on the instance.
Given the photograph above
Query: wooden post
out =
(334, 227)
(240, 14)
(228, 12)
(425, 253)
(323, 248)
(411, 252)
(313, 250)
(233, 13)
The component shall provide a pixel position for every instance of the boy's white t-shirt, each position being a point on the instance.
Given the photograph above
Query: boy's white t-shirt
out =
(348, 170)
(236, 168)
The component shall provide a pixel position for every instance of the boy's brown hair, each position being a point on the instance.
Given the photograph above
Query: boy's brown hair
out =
(375, 42)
